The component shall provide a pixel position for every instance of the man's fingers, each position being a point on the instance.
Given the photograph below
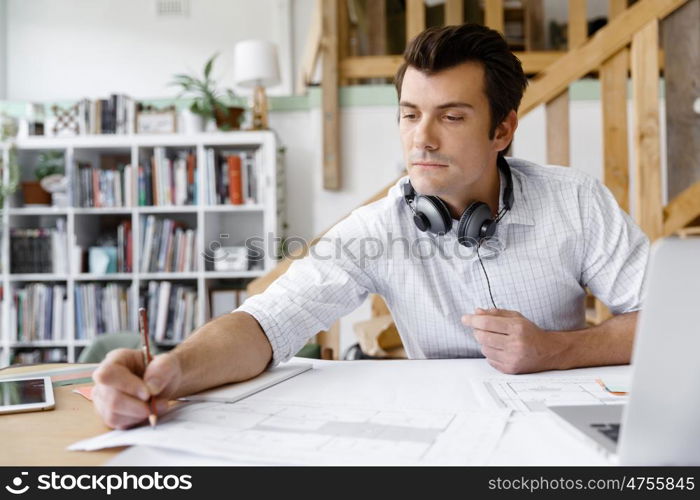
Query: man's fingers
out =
(494, 340)
(117, 409)
(130, 358)
(506, 313)
(492, 354)
(497, 324)
(120, 378)
(162, 375)
(121, 395)
(121, 422)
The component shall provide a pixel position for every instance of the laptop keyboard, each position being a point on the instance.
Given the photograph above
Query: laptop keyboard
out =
(612, 431)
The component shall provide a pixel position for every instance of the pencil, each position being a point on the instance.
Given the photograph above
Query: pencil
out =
(143, 327)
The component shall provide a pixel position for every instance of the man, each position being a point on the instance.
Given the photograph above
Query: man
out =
(561, 231)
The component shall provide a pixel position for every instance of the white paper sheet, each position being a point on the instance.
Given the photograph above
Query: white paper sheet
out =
(268, 430)
(147, 456)
(529, 394)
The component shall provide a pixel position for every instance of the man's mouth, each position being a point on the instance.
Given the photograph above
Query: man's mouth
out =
(428, 164)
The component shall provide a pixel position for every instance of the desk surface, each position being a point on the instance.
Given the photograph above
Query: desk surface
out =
(41, 438)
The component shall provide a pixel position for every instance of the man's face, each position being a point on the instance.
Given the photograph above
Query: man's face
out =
(444, 122)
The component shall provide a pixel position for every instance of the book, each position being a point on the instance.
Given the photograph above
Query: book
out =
(192, 178)
(162, 312)
(211, 176)
(235, 178)
(147, 243)
(155, 180)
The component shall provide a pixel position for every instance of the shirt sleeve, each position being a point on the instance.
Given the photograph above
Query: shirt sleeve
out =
(616, 251)
(332, 280)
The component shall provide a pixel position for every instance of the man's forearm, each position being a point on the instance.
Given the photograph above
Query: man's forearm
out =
(230, 348)
(609, 343)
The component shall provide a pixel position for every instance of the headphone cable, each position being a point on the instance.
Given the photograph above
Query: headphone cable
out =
(488, 283)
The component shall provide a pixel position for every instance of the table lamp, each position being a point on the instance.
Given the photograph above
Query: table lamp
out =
(255, 65)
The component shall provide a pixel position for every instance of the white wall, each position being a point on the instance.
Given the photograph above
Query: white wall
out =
(3, 46)
(96, 47)
(370, 154)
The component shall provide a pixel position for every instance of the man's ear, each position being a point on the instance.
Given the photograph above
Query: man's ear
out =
(505, 131)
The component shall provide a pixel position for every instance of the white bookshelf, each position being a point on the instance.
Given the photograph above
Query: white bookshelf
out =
(238, 222)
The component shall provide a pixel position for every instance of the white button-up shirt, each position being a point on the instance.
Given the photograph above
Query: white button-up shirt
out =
(564, 232)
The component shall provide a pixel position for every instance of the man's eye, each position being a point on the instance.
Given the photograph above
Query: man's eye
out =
(408, 116)
(454, 118)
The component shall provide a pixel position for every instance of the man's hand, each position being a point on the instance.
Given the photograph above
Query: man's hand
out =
(122, 390)
(513, 344)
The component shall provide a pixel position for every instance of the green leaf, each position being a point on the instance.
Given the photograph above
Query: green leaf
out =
(208, 66)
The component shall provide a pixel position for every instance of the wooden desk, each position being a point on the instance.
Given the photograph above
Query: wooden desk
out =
(41, 438)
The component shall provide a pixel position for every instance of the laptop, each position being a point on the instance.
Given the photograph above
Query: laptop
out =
(659, 423)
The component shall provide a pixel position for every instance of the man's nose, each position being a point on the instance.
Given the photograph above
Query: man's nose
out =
(425, 137)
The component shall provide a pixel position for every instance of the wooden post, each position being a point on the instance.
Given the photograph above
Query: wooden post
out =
(376, 26)
(558, 108)
(415, 18)
(344, 49)
(681, 40)
(645, 82)
(329, 96)
(613, 82)
(454, 12)
(534, 25)
(493, 15)
(578, 23)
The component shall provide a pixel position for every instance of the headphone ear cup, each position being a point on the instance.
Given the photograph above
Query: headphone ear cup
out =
(437, 213)
(470, 223)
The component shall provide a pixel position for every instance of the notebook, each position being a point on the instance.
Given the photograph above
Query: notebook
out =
(235, 392)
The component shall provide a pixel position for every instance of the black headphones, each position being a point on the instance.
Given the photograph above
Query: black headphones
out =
(476, 223)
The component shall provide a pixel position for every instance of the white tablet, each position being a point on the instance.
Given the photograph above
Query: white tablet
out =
(26, 394)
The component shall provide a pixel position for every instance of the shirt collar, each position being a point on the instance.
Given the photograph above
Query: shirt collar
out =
(521, 211)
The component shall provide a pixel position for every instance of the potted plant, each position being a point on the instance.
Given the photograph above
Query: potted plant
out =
(49, 163)
(207, 100)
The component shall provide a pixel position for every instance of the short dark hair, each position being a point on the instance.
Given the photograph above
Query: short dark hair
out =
(440, 48)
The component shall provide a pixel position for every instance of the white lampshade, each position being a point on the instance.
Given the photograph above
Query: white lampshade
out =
(255, 63)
